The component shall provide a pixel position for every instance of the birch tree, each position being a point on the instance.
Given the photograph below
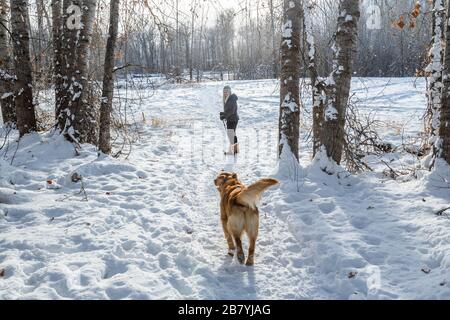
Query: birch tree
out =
(338, 83)
(6, 76)
(317, 83)
(76, 117)
(435, 68)
(289, 120)
(275, 62)
(443, 142)
(108, 80)
(26, 118)
(58, 63)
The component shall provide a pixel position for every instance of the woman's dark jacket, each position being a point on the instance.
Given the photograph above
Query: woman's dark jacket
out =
(230, 110)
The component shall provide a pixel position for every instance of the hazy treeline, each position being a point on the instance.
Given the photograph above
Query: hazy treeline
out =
(242, 42)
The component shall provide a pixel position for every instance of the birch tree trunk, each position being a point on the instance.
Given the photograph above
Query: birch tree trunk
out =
(435, 68)
(26, 118)
(274, 49)
(338, 90)
(443, 145)
(317, 83)
(177, 45)
(108, 80)
(6, 75)
(289, 121)
(162, 54)
(191, 53)
(58, 61)
(40, 34)
(64, 59)
(77, 118)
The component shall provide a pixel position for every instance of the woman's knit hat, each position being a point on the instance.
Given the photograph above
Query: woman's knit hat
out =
(227, 89)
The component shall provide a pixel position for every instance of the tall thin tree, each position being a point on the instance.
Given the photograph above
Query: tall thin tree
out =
(108, 80)
(435, 83)
(76, 117)
(444, 132)
(317, 82)
(26, 118)
(6, 75)
(58, 61)
(338, 91)
(275, 62)
(289, 120)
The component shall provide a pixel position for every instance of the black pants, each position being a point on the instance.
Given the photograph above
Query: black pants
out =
(232, 125)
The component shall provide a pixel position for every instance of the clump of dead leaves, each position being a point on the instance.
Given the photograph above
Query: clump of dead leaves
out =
(400, 23)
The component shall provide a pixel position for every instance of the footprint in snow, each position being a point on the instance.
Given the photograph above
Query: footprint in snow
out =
(327, 208)
(360, 222)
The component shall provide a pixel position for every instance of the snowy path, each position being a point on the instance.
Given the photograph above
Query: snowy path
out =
(150, 228)
(206, 269)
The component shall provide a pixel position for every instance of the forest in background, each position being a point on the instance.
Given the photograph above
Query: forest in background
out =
(171, 37)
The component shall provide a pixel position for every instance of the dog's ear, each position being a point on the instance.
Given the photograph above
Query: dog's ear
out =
(234, 176)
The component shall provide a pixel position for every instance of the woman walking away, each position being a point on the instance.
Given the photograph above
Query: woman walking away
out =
(230, 115)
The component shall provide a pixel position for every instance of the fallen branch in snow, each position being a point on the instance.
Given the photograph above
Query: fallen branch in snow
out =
(426, 270)
(15, 151)
(7, 130)
(83, 191)
(442, 211)
(393, 174)
(77, 178)
(414, 145)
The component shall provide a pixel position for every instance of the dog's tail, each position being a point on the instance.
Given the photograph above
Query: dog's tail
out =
(252, 194)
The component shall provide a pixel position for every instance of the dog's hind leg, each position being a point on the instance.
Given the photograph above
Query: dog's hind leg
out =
(240, 251)
(236, 223)
(252, 233)
(251, 251)
(228, 237)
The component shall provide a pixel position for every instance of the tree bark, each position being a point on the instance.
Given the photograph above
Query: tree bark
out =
(274, 49)
(444, 132)
(177, 45)
(191, 76)
(26, 118)
(6, 75)
(317, 83)
(58, 57)
(289, 121)
(339, 82)
(39, 61)
(108, 80)
(435, 68)
(77, 119)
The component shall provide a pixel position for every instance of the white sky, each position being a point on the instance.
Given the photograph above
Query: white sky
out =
(211, 8)
(216, 6)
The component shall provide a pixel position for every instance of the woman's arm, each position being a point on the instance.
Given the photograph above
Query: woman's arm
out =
(230, 109)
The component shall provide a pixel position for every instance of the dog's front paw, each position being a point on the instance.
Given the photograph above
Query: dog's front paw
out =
(241, 258)
(231, 252)
(250, 261)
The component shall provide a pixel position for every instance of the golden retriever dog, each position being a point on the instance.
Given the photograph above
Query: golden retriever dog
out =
(239, 212)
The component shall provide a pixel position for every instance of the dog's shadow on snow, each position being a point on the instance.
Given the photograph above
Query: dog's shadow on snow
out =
(236, 280)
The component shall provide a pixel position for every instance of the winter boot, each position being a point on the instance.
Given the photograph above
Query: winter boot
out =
(231, 150)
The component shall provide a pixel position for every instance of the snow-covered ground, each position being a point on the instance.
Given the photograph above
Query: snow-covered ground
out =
(147, 227)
